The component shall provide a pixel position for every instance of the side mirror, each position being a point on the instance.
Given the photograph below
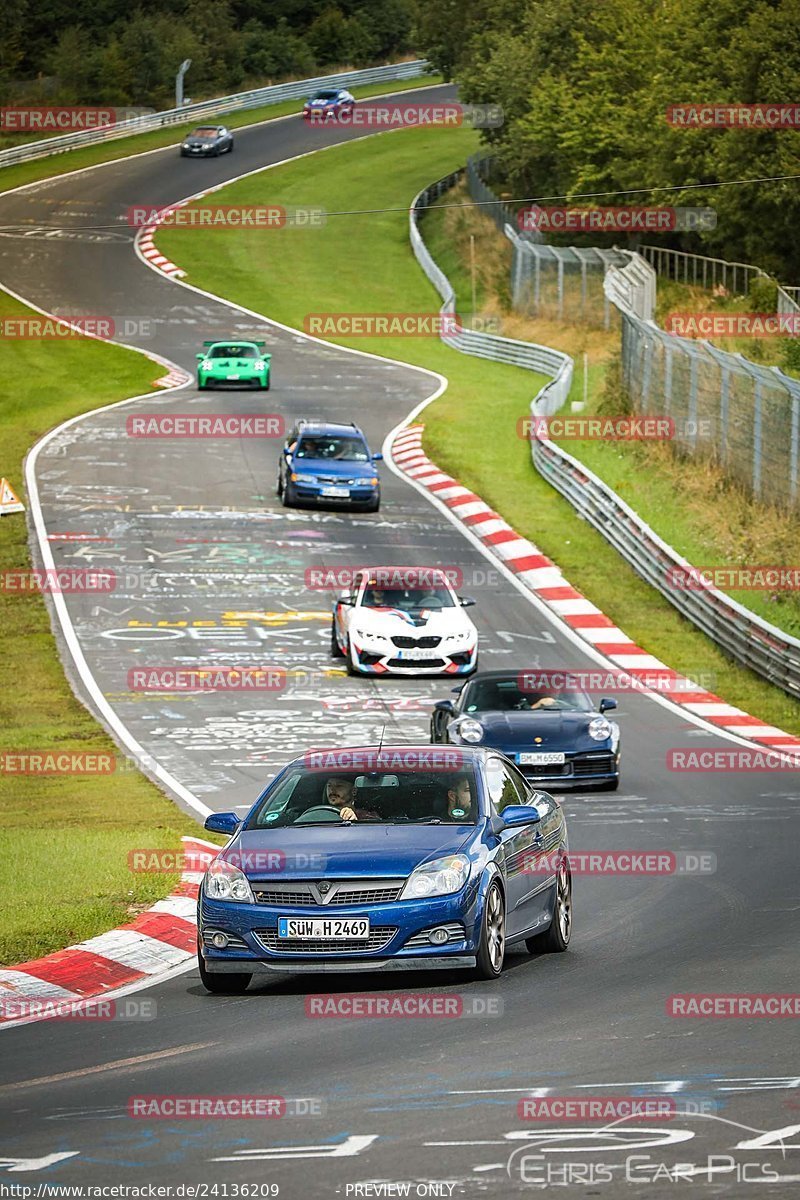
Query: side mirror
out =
(224, 822)
(606, 704)
(520, 814)
(444, 706)
(346, 598)
(377, 458)
(457, 690)
(200, 357)
(287, 451)
(466, 601)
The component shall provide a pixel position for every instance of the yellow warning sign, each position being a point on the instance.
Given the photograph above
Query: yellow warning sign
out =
(9, 500)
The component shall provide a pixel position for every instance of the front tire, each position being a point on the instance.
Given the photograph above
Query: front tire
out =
(492, 945)
(557, 938)
(348, 655)
(336, 649)
(223, 984)
(288, 498)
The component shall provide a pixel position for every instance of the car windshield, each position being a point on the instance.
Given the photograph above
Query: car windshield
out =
(505, 695)
(339, 449)
(407, 599)
(203, 133)
(326, 95)
(233, 352)
(402, 797)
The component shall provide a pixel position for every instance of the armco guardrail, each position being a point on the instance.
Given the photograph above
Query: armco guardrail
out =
(208, 108)
(749, 640)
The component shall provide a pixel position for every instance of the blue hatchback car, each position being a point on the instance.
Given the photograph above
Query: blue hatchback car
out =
(331, 464)
(365, 859)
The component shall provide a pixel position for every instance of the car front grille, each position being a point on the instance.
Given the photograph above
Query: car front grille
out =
(355, 891)
(600, 764)
(430, 663)
(422, 643)
(379, 936)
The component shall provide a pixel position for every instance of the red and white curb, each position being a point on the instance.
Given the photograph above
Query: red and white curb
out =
(154, 256)
(160, 939)
(545, 580)
(175, 377)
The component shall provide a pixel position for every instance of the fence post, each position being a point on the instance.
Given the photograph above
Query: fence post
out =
(794, 447)
(667, 377)
(757, 440)
(560, 289)
(722, 440)
(693, 401)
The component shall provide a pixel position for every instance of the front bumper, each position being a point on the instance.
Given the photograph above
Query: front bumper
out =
(242, 379)
(581, 769)
(378, 659)
(311, 493)
(255, 924)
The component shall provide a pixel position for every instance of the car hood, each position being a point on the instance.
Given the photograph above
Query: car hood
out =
(393, 621)
(343, 851)
(336, 468)
(321, 102)
(558, 731)
(201, 141)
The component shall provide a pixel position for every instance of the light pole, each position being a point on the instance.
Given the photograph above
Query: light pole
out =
(182, 69)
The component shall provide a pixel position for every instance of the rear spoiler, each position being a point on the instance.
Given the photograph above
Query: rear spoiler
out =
(233, 342)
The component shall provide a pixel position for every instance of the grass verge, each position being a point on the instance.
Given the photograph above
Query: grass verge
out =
(471, 429)
(64, 839)
(89, 156)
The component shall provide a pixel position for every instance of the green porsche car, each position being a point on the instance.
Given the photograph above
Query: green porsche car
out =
(242, 364)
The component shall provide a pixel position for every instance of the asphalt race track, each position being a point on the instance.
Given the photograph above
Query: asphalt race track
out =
(214, 573)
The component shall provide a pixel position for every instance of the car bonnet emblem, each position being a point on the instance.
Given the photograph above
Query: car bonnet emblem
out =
(324, 887)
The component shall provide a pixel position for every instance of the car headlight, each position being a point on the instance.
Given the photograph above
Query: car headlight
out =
(599, 729)
(469, 730)
(295, 478)
(258, 366)
(185, 146)
(373, 481)
(441, 877)
(223, 881)
(206, 364)
(456, 637)
(375, 637)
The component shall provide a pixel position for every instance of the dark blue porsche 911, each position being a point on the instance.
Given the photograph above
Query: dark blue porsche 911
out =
(406, 857)
(552, 732)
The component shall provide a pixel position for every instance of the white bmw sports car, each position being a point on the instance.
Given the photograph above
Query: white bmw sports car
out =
(404, 621)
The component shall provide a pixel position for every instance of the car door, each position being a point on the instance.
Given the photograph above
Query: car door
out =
(283, 465)
(440, 717)
(518, 845)
(541, 860)
(343, 612)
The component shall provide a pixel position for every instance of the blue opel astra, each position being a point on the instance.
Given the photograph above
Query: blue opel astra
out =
(399, 857)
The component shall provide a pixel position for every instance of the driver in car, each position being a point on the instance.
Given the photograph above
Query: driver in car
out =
(459, 801)
(339, 794)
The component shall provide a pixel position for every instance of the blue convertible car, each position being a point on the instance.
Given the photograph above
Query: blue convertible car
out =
(552, 733)
(410, 857)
